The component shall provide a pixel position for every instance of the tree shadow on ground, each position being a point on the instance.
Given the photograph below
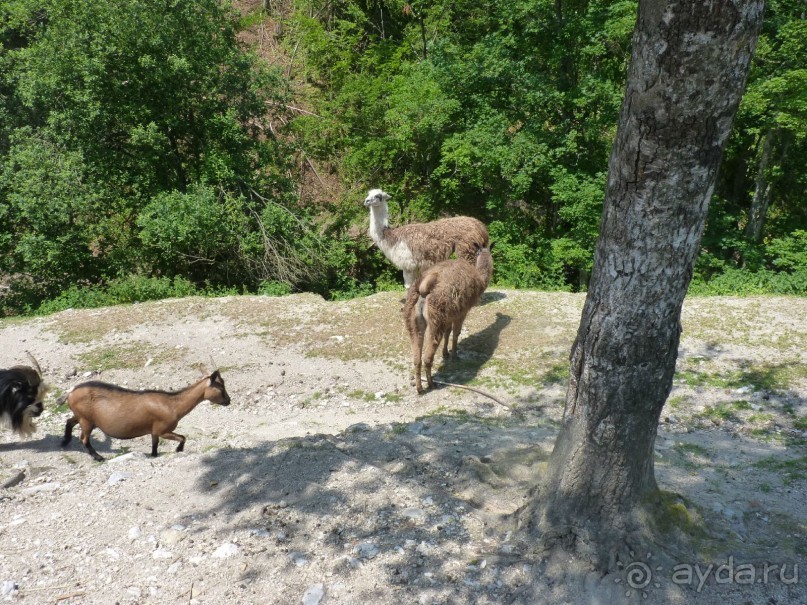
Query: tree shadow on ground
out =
(421, 505)
(421, 510)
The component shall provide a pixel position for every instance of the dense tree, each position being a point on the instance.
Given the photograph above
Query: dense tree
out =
(118, 115)
(689, 65)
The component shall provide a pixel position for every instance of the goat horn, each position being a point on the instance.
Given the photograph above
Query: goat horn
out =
(35, 362)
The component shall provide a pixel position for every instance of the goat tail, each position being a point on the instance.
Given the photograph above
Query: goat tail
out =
(62, 399)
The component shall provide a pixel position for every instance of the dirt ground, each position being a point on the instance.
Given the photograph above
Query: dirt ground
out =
(328, 480)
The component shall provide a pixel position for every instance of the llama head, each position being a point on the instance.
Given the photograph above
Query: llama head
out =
(376, 197)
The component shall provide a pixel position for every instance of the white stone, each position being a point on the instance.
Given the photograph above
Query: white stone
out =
(313, 595)
(227, 549)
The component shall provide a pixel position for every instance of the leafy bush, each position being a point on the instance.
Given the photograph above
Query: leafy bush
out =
(129, 289)
(738, 282)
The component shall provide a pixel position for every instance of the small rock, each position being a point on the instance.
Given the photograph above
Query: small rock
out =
(14, 479)
(351, 562)
(170, 537)
(134, 533)
(126, 458)
(414, 514)
(7, 588)
(117, 477)
(174, 568)
(225, 550)
(162, 553)
(42, 488)
(313, 595)
(416, 427)
(367, 550)
(298, 558)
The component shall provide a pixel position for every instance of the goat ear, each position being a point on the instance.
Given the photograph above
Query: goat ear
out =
(215, 377)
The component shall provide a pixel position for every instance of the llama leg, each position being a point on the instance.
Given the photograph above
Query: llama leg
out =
(445, 344)
(86, 429)
(417, 352)
(456, 328)
(409, 278)
(68, 430)
(432, 344)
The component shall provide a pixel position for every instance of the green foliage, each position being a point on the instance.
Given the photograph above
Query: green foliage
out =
(738, 282)
(274, 288)
(131, 289)
(144, 139)
(120, 123)
(190, 233)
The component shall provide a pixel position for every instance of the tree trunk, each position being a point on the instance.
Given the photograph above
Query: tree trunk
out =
(688, 69)
(762, 191)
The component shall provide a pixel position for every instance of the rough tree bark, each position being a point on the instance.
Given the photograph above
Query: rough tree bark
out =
(689, 64)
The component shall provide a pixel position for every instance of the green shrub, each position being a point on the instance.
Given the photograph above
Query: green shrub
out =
(745, 283)
(130, 289)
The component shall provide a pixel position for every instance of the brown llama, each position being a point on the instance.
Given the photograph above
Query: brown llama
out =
(438, 302)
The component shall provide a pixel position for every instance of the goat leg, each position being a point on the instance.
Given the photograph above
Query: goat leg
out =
(175, 437)
(68, 430)
(155, 439)
(86, 430)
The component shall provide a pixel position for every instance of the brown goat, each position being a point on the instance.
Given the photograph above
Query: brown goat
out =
(125, 414)
(440, 300)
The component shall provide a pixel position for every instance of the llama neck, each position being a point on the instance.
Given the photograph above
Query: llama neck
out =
(379, 221)
(184, 401)
(484, 265)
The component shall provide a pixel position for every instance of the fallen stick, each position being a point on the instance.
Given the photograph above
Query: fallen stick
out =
(39, 588)
(80, 593)
(475, 390)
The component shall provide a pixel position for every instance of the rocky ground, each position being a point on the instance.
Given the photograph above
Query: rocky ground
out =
(329, 481)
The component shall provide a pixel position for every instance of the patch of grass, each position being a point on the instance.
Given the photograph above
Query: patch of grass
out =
(309, 401)
(670, 512)
(760, 418)
(760, 378)
(677, 402)
(765, 487)
(718, 412)
(398, 428)
(791, 469)
(800, 423)
(361, 395)
(394, 397)
(557, 374)
(766, 435)
(128, 356)
(689, 454)
(741, 404)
